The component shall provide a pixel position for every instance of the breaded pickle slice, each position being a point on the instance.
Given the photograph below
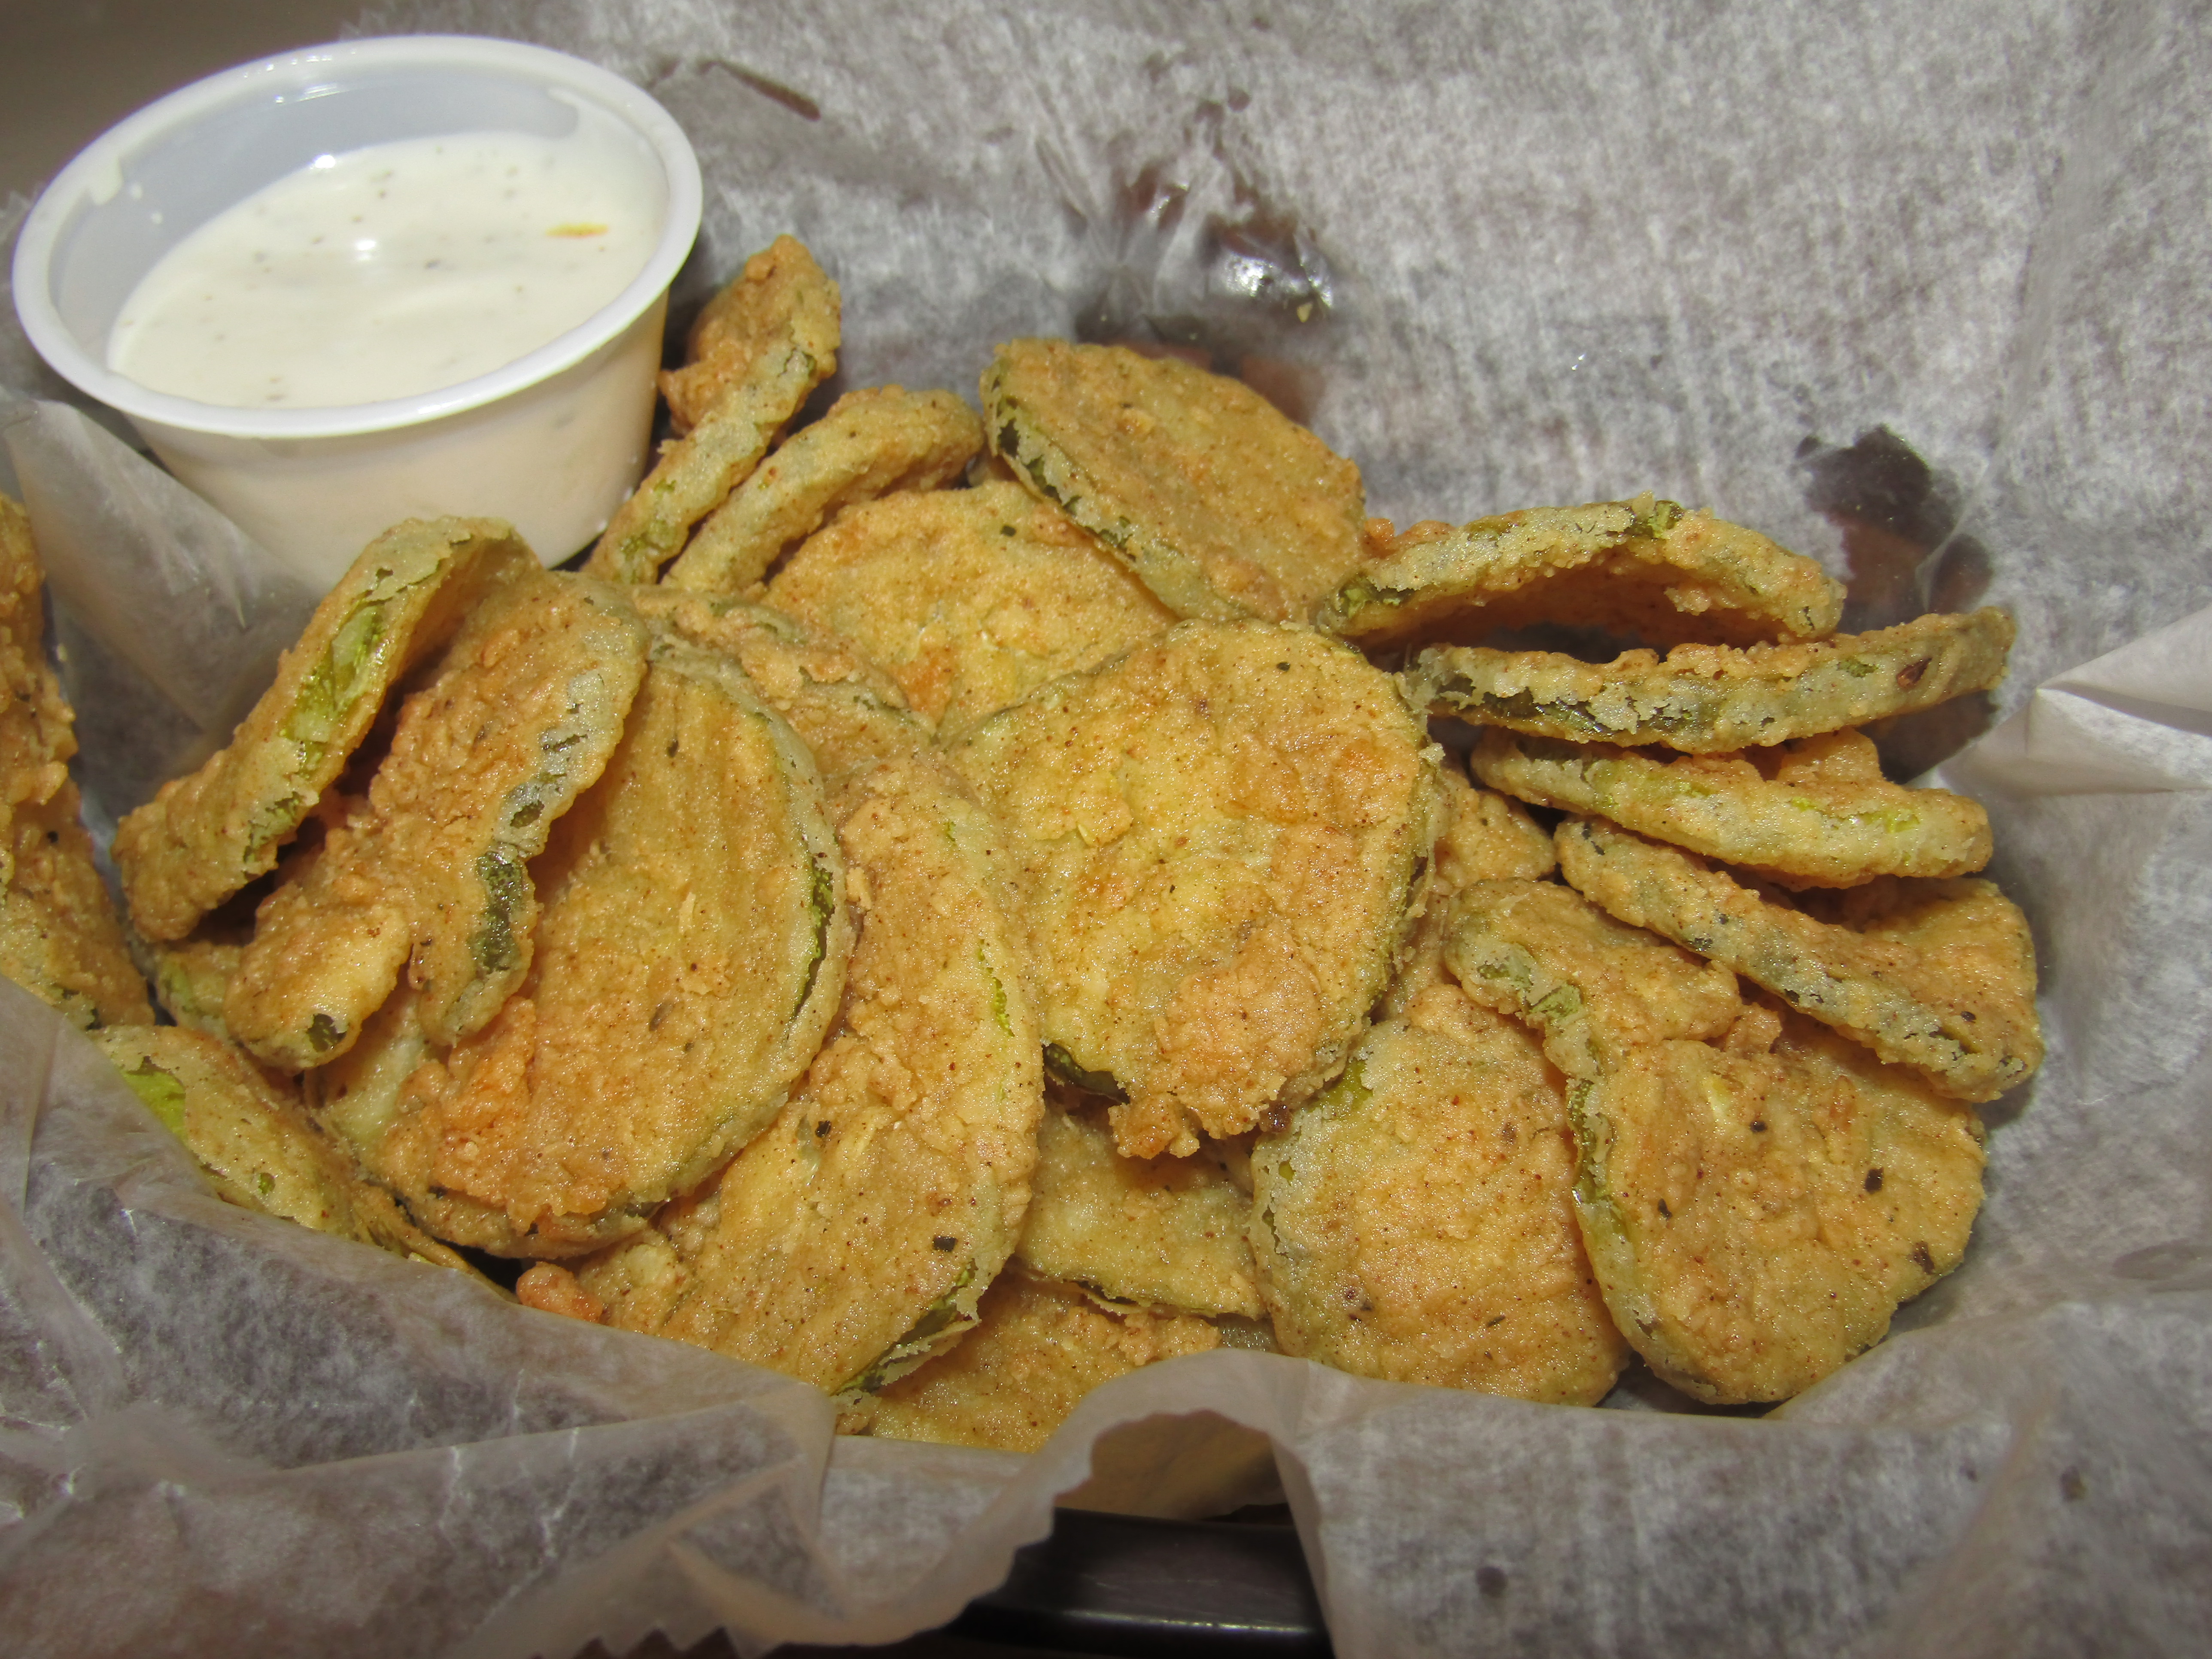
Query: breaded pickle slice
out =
(1592, 987)
(207, 835)
(1486, 836)
(432, 875)
(1644, 567)
(870, 443)
(1041, 1347)
(1713, 699)
(848, 712)
(969, 598)
(855, 1238)
(691, 948)
(1815, 812)
(1221, 838)
(59, 935)
(762, 344)
(1415, 1221)
(1160, 1232)
(1756, 1216)
(1222, 505)
(256, 1143)
(1935, 976)
(190, 976)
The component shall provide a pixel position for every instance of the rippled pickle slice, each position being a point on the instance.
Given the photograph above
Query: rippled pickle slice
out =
(691, 948)
(1935, 976)
(1756, 1215)
(1222, 505)
(1041, 1347)
(432, 874)
(762, 344)
(1644, 568)
(59, 935)
(251, 1136)
(970, 599)
(848, 712)
(1816, 812)
(870, 443)
(207, 835)
(1711, 699)
(1415, 1221)
(1160, 1232)
(1222, 838)
(855, 1238)
(1592, 987)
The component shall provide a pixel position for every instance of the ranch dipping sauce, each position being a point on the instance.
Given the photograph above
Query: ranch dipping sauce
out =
(395, 270)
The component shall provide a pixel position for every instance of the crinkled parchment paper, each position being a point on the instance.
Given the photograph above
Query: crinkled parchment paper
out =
(1916, 289)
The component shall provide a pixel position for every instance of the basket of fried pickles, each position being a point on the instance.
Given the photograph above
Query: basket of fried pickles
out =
(954, 910)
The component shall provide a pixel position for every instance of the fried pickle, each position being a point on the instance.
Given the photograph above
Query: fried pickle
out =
(1937, 976)
(969, 598)
(1756, 1214)
(1041, 1346)
(848, 711)
(855, 1238)
(691, 949)
(870, 443)
(206, 835)
(59, 935)
(1222, 505)
(1814, 813)
(1158, 1232)
(760, 347)
(1415, 1221)
(251, 1136)
(1486, 836)
(1221, 838)
(1644, 568)
(1712, 699)
(432, 874)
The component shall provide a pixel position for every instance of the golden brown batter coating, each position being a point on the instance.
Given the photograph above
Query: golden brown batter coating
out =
(1643, 567)
(1221, 839)
(1415, 1221)
(1040, 1347)
(872, 443)
(969, 598)
(1222, 505)
(207, 835)
(854, 1236)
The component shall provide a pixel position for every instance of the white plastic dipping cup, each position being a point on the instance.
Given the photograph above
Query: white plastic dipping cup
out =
(552, 441)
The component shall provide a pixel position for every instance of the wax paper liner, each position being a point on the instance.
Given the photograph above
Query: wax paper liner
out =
(1917, 290)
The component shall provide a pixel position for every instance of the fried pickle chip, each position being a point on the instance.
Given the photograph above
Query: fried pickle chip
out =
(870, 443)
(205, 835)
(190, 976)
(1159, 1232)
(848, 711)
(256, 1143)
(1486, 836)
(691, 948)
(1415, 1221)
(59, 935)
(1712, 699)
(855, 1238)
(432, 874)
(1815, 812)
(762, 343)
(1938, 977)
(1041, 1347)
(1644, 567)
(1591, 986)
(969, 598)
(1756, 1216)
(1221, 838)
(1222, 505)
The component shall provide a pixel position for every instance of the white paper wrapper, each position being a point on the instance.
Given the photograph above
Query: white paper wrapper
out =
(1743, 258)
